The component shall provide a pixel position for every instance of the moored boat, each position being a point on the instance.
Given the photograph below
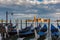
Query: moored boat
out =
(43, 32)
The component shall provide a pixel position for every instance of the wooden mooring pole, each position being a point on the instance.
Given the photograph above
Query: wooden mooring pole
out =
(49, 30)
(6, 33)
(35, 29)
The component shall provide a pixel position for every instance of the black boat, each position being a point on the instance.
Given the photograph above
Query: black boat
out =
(26, 32)
(43, 30)
(54, 32)
(53, 28)
(26, 29)
(29, 32)
(42, 33)
(12, 30)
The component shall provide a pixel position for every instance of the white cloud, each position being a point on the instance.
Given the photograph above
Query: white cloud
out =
(19, 2)
(31, 10)
(51, 1)
(24, 15)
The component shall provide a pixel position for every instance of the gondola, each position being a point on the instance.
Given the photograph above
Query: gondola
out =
(53, 28)
(43, 30)
(26, 33)
(21, 32)
(42, 33)
(26, 29)
(54, 32)
(30, 32)
(12, 30)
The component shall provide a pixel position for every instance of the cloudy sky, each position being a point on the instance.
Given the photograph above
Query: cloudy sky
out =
(23, 9)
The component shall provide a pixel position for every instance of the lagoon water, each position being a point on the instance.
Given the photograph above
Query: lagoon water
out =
(24, 24)
(0, 37)
(20, 38)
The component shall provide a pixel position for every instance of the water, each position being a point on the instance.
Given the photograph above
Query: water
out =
(20, 38)
(0, 37)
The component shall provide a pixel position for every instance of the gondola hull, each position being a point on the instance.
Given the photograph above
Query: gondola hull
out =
(12, 33)
(25, 35)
